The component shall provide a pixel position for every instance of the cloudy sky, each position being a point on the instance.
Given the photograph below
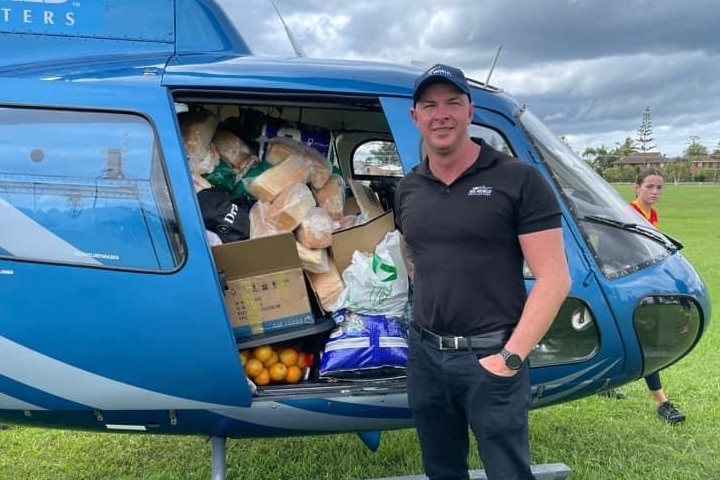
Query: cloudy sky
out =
(587, 67)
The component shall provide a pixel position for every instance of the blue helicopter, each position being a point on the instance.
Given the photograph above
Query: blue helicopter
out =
(115, 310)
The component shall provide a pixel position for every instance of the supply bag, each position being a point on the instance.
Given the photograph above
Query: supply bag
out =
(364, 346)
(377, 284)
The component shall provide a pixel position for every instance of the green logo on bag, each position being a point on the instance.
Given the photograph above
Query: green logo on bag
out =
(378, 266)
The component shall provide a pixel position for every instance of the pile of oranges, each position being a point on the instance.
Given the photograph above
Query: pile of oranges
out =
(268, 364)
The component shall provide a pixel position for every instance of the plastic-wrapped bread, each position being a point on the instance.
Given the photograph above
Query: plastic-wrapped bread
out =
(313, 260)
(260, 226)
(234, 151)
(200, 183)
(331, 197)
(289, 208)
(207, 164)
(271, 182)
(320, 168)
(282, 148)
(315, 230)
(327, 286)
(198, 128)
(346, 222)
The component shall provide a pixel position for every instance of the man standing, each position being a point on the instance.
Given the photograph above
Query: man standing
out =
(469, 214)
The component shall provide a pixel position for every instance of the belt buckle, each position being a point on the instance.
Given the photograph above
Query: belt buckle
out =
(443, 343)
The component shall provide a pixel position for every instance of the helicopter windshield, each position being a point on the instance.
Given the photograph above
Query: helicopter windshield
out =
(621, 239)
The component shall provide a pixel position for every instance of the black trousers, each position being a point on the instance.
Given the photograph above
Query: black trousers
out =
(653, 381)
(447, 391)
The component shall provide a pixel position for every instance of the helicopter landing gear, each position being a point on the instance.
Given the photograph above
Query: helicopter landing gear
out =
(219, 463)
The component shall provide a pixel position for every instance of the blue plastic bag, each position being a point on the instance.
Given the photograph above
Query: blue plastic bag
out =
(365, 346)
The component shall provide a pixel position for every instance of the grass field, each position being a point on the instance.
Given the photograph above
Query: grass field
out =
(598, 438)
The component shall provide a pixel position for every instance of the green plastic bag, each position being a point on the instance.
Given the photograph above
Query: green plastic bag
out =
(223, 176)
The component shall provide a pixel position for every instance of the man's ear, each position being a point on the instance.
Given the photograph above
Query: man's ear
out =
(413, 115)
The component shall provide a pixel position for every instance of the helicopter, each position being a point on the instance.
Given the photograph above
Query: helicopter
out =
(119, 310)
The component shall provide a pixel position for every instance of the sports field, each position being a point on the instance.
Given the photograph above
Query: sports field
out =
(598, 438)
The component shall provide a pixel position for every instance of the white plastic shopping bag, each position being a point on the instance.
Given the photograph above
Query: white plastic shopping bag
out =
(377, 284)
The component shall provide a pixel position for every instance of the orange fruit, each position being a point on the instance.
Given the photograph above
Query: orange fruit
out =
(253, 367)
(263, 352)
(263, 377)
(278, 371)
(272, 360)
(294, 374)
(289, 356)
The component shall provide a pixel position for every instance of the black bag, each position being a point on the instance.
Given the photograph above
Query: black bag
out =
(227, 216)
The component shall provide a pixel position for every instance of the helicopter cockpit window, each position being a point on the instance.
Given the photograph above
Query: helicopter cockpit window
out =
(377, 158)
(85, 188)
(572, 337)
(622, 241)
(490, 136)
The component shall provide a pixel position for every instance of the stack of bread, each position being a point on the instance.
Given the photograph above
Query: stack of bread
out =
(296, 195)
(210, 149)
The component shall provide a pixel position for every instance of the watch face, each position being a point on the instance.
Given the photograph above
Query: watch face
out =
(512, 360)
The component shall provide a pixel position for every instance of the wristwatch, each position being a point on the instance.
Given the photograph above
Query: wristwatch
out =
(512, 360)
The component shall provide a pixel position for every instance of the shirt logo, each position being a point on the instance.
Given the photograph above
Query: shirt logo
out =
(480, 191)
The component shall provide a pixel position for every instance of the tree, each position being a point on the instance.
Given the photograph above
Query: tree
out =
(624, 149)
(590, 154)
(645, 133)
(385, 154)
(695, 148)
(678, 170)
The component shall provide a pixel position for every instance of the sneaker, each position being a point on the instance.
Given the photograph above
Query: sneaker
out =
(612, 393)
(669, 412)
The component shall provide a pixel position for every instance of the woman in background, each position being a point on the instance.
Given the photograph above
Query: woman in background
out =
(648, 188)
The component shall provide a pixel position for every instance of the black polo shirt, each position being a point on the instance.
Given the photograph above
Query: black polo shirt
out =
(463, 239)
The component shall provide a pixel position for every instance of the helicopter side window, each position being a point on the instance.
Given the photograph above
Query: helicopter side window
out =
(84, 188)
(573, 336)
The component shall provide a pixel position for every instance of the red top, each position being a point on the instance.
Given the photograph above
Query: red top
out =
(650, 216)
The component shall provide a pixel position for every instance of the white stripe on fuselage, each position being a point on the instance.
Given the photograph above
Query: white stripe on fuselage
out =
(49, 375)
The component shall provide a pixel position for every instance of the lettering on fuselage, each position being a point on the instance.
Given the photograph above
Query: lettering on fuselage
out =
(34, 16)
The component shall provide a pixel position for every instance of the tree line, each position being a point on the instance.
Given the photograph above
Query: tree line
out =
(679, 169)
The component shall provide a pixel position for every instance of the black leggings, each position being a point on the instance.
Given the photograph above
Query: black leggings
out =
(653, 381)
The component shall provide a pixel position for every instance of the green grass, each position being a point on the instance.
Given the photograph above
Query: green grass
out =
(598, 438)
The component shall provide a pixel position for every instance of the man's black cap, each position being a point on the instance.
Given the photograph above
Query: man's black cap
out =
(441, 73)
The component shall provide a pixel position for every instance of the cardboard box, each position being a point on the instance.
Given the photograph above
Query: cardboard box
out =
(363, 237)
(266, 286)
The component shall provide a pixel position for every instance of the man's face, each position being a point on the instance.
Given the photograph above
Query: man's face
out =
(442, 114)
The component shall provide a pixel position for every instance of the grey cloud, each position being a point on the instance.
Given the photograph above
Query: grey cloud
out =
(588, 67)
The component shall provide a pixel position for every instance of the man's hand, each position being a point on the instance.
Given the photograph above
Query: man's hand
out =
(496, 365)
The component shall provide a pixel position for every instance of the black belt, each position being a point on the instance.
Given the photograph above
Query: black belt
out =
(495, 339)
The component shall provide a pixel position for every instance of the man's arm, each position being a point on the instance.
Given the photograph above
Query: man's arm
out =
(544, 253)
(408, 258)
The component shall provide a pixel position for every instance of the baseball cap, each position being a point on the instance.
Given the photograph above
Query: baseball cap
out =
(441, 73)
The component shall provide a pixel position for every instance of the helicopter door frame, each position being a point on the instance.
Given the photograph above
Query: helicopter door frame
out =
(100, 327)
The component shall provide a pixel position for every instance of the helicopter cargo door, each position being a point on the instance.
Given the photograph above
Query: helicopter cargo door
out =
(109, 297)
(406, 135)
